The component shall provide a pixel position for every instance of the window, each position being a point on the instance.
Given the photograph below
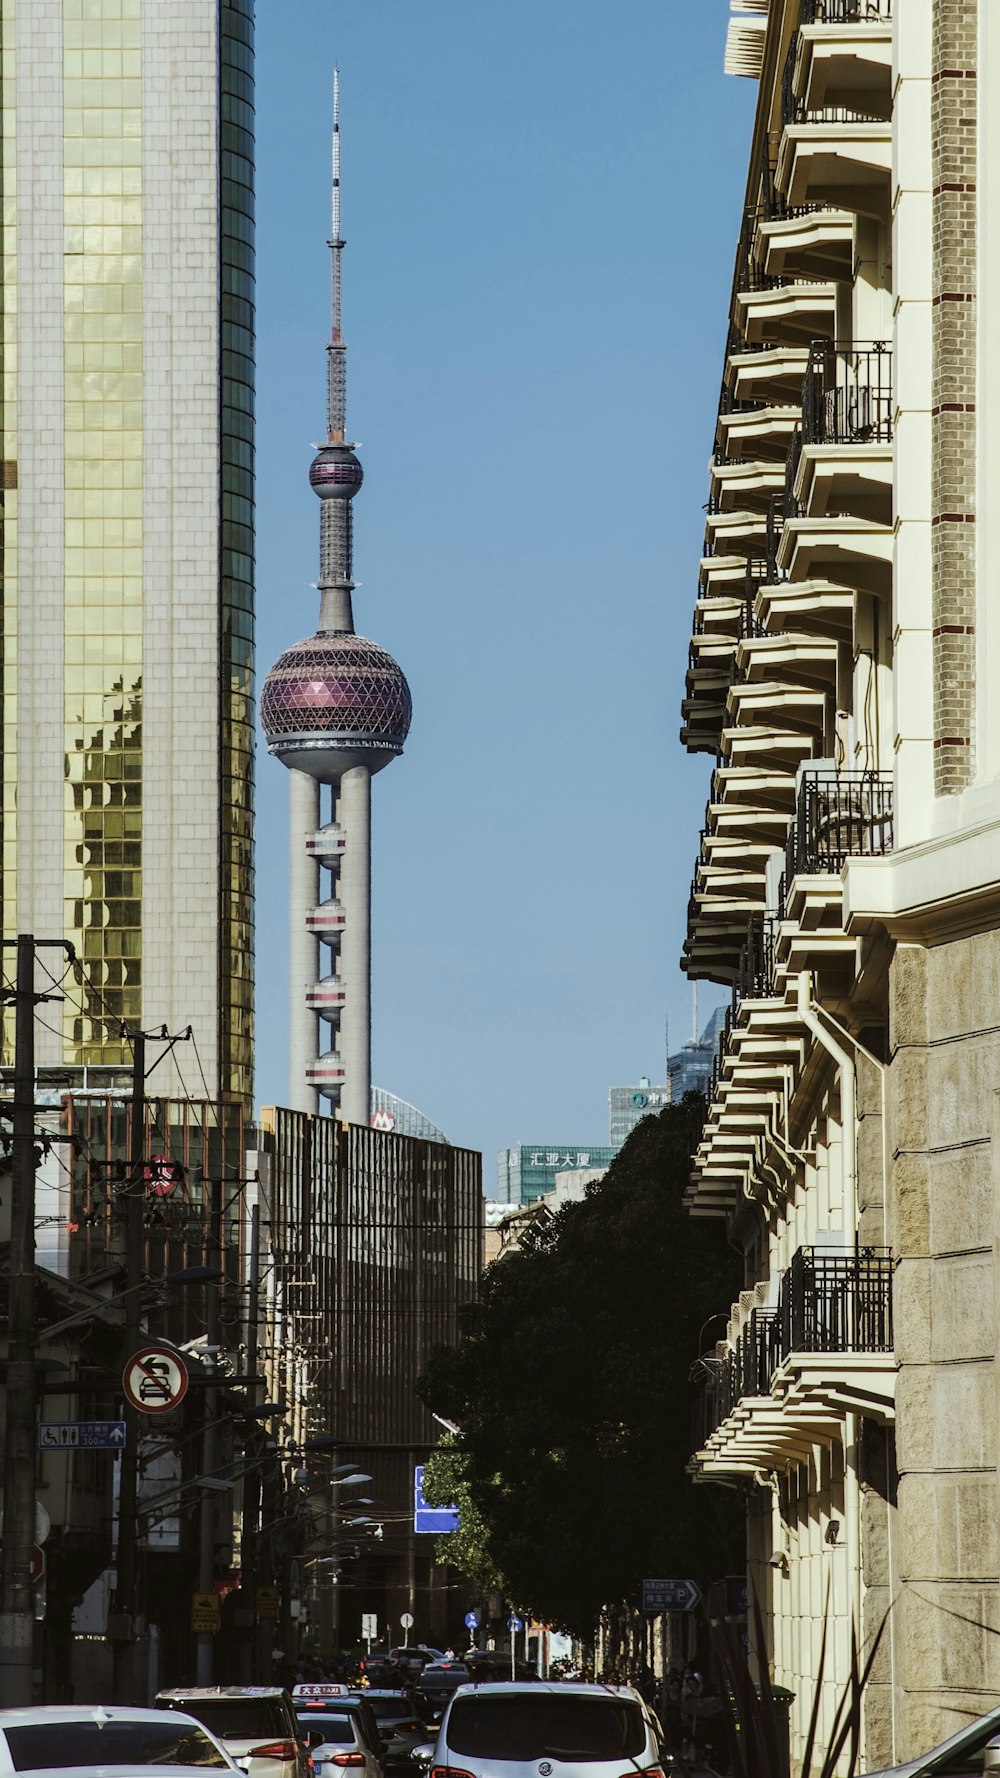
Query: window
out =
(517, 1727)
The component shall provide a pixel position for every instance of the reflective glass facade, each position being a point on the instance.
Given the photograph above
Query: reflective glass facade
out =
(8, 493)
(128, 295)
(237, 514)
(103, 269)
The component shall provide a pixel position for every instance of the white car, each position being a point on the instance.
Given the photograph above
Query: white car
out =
(106, 1738)
(552, 1730)
(337, 1742)
(255, 1723)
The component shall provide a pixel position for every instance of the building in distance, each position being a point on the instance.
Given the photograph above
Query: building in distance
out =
(627, 1106)
(528, 1171)
(690, 1068)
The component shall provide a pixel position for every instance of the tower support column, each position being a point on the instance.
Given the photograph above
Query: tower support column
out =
(355, 814)
(303, 946)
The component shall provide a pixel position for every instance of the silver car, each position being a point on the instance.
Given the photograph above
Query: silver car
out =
(540, 1730)
(972, 1749)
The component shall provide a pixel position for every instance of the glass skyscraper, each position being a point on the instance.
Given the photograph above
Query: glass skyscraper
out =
(127, 524)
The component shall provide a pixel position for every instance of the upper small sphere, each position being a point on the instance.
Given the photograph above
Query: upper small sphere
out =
(335, 472)
(335, 701)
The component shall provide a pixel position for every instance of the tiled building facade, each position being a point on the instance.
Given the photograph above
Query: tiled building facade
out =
(842, 677)
(127, 533)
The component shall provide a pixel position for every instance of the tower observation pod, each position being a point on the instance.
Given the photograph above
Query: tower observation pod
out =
(335, 709)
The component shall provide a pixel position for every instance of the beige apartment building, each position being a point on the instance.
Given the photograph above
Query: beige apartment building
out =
(844, 677)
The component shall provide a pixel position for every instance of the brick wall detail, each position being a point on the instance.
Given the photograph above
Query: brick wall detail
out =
(953, 420)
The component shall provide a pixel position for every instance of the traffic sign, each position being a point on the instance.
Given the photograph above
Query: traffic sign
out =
(406, 1621)
(437, 1519)
(515, 1623)
(81, 1435)
(670, 1595)
(206, 1614)
(369, 1626)
(472, 1619)
(155, 1380)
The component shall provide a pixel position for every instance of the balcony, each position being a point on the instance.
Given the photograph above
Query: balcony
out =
(833, 522)
(837, 1300)
(847, 410)
(835, 146)
(755, 975)
(837, 817)
(844, 58)
(810, 242)
(719, 624)
(792, 1374)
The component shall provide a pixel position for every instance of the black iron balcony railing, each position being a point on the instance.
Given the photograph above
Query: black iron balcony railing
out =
(749, 275)
(793, 108)
(838, 816)
(830, 1300)
(837, 1300)
(845, 12)
(847, 394)
(755, 973)
(774, 204)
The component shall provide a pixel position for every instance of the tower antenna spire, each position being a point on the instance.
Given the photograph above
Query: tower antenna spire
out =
(336, 403)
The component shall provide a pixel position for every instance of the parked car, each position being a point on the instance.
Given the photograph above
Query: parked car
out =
(399, 1726)
(573, 1730)
(255, 1723)
(972, 1749)
(71, 1736)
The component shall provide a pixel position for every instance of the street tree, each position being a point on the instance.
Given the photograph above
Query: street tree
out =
(570, 1386)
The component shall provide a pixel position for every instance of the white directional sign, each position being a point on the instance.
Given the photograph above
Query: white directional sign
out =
(155, 1380)
(81, 1435)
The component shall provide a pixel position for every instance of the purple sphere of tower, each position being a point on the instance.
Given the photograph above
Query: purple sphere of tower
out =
(335, 472)
(335, 701)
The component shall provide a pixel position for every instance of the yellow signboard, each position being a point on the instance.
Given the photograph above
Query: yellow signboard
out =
(267, 1602)
(205, 1614)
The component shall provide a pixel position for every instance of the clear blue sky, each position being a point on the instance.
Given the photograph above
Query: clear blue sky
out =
(541, 201)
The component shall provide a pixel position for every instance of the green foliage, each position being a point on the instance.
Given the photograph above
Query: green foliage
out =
(570, 1385)
(467, 1549)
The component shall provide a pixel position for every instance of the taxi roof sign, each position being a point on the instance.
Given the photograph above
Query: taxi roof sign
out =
(321, 1691)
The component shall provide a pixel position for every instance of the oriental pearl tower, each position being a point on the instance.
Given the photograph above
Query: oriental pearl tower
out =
(334, 709)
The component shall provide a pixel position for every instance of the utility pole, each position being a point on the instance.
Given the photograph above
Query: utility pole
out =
(17, 1615)
(122, 1626)
(209, 1460)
